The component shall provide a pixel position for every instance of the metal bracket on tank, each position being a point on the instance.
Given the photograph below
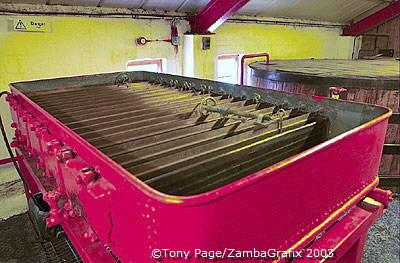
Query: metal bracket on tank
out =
(165, 82)
(209, 105)
(279, 115)
(173, 83)
(122, 79)
(206, 89)
(188, 85)
(258, 99)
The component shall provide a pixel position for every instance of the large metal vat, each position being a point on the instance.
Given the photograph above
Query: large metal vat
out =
(131, 163)
(368, 81)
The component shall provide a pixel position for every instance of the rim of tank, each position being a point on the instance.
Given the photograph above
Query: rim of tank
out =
(108, 164)
(276, 73)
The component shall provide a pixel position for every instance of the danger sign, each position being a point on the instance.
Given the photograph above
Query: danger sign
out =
(31, 25)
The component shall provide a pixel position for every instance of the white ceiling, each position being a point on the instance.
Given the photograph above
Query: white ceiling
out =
(340, 11)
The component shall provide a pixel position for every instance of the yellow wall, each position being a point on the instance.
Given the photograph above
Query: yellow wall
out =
(283, 42)
(203, 60)
(78, 46)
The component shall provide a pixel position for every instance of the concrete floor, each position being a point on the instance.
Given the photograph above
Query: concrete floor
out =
(12, 197)
(19, 243)
(383, 242)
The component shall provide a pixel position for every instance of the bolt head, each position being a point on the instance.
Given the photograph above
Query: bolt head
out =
(34, 126)
(33, 153)
(9, 97)
(65, 155)
(85, 176)
(51, 195)
(40, 165)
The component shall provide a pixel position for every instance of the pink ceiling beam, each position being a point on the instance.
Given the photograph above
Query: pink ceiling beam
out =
(214, 14)
(373, 20)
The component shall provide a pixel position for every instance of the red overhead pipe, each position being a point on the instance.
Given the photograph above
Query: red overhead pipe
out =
(266, 55)
(373, 20)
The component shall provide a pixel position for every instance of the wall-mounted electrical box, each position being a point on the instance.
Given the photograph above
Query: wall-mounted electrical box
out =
(206, 43)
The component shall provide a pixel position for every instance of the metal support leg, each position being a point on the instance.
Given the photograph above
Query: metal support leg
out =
(346, 239)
